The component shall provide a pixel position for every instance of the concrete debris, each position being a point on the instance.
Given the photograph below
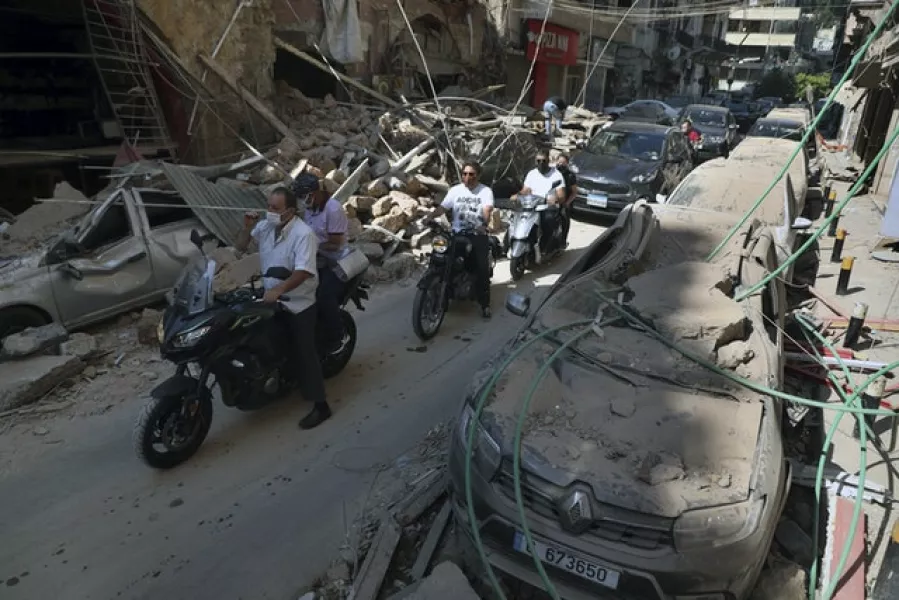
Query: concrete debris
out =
(81, 345)
(623, 407)
(660, 467)
(735, 354)
(147, 326)
(27, 381)
(446, 582)
(33, 340)
(781, 581)
(38, 223)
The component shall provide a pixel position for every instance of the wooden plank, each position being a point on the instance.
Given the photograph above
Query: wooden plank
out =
(876, 324)
(430, 544)
(423, 497)
(368, 584)
(828, 302)
(348, 80)
(248, 97)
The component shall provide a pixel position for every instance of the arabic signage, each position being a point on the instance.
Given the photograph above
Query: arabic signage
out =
(559, 46)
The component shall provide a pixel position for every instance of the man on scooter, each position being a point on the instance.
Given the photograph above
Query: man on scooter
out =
(327, 218)
(285, 241)
(547, 182)
(471, 204)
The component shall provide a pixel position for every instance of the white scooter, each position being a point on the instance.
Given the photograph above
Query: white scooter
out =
(526, 235)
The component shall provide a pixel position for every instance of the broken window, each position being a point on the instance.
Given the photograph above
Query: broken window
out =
(164, 209)
(114, 226)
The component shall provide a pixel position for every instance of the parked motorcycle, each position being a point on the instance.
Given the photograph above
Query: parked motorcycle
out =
(233, 339)
(450, 276)
(526, 235)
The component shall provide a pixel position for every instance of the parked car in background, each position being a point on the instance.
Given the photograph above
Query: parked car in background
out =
(678, 101)
(774, 101)
(712, 101)
(649, 111)
(776, 128)
(121, 256)
(628, 161)
(741, 112)
(717, 126)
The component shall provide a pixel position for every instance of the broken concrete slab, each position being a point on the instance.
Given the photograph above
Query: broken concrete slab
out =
(81, 345)
(147, 326)
(33, 341)
(26, 381)
(781, 581)
(735, 354)
(446, 582)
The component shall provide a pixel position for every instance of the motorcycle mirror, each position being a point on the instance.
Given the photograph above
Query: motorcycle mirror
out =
(281, 273)
(518, 304)
(196, 239)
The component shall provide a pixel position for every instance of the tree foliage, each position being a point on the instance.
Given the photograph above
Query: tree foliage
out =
(776, 83)
(819, 82)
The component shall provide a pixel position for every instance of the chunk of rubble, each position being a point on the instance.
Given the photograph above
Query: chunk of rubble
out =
(735, 354)
(81, 345)
(33, 340)
(446, 582)
(660, 467)
(147, 326)
(27, 381)
(689, 303)
(782, 580)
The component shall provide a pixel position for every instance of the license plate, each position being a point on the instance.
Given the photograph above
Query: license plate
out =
(597, 200)
(562, 559)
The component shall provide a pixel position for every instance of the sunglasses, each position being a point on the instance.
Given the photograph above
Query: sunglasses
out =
(542, 161)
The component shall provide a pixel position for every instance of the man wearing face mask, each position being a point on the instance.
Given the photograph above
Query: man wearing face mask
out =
(285, 241)
(328, 219)
(547, 182)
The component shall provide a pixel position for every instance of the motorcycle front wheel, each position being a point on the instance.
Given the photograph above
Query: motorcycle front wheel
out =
(516, 267)
(428, 309)
(164, 437)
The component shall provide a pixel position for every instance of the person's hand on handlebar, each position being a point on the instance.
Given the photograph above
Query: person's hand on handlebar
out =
(271, 296)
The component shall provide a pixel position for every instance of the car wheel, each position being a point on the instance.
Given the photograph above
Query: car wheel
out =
(19, 318)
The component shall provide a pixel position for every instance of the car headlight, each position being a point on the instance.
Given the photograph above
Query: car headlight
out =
(440, 244)
(644, 177)
(190, 338)
(486, 454)
(160, 330)
(718, 526)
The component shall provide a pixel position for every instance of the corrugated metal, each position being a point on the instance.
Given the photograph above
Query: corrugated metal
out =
(198, 192)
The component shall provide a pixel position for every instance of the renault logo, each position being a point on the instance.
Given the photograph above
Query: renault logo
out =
(575, 512)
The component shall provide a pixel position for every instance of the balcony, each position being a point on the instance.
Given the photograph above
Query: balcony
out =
(782, 13)
(736, 38)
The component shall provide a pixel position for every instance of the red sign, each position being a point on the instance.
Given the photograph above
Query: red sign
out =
(558, 46)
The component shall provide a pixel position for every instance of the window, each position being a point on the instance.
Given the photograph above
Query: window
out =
(165, 208)
(711, 118)
(114, 226)
(639, 146)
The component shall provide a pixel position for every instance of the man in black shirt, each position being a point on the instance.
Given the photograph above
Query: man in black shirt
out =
(570, 193)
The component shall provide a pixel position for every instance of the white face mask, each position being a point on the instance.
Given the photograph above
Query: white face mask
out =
(273, 218)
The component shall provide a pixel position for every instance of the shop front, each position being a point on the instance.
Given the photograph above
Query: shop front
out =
(557, 52)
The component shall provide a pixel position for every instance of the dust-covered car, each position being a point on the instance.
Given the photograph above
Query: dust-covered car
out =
(643, 475)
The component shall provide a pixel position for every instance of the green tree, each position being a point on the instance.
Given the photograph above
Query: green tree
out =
(776, 83)
(819, 82)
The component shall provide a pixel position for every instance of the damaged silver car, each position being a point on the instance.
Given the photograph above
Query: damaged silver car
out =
(643, 475)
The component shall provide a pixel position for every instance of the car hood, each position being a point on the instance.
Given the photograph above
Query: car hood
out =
(627, 416)
(712, 130)
(14, 268)
(609, 168)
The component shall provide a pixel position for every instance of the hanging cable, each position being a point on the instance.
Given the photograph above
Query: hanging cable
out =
(582, 95)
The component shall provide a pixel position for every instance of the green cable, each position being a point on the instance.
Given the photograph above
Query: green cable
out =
(834, 215)
(516, 457)
(469, 445)
(810, 130)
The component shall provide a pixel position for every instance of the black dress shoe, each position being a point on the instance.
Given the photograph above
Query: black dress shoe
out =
(485, 312)
(319, 414)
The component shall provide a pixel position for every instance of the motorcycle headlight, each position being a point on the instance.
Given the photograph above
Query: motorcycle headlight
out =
(440, 244)
(486, 454)
(644, 177)
(160, 330)
(190, 338)
(718, 526)
(528, 201)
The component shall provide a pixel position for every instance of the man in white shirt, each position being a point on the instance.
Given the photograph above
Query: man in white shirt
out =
(471, 203)
(547, 182)
(285, 241)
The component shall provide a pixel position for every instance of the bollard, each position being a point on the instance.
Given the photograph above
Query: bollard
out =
(830, 198)
(845, 272)
(833, 226)
(871, 399)
(856, 322)
(837, 253)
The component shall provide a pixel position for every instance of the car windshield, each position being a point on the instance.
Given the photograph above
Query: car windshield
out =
(700, 116)
(628, 144)
(192, 292)
(789, 130)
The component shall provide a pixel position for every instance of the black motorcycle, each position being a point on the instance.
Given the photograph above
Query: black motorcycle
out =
(450, 276)
(232, 340)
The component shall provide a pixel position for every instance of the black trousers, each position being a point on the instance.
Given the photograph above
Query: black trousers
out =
(311, 380)
(480, 257)
(328, 296)
(565, 215)
(549, 219)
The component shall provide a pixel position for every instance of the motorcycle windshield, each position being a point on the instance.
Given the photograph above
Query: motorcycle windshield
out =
(192, 293)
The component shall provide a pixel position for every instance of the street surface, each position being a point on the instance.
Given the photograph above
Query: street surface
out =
(264, 507)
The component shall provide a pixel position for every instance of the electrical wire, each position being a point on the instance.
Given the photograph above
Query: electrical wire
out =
(810, 130)
(582, 95)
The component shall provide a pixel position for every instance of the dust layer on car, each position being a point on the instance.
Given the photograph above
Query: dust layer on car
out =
(646, 428)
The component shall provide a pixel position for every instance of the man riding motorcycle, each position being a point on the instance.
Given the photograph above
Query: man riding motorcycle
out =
(471, 204)
(547, 182)
(286, 241)
(328, 219)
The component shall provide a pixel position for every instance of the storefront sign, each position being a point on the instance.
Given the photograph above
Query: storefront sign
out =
(558, 46)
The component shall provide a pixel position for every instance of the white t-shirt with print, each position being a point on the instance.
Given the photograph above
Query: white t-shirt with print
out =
(467, 205)
(295, 250)
(541, 184)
